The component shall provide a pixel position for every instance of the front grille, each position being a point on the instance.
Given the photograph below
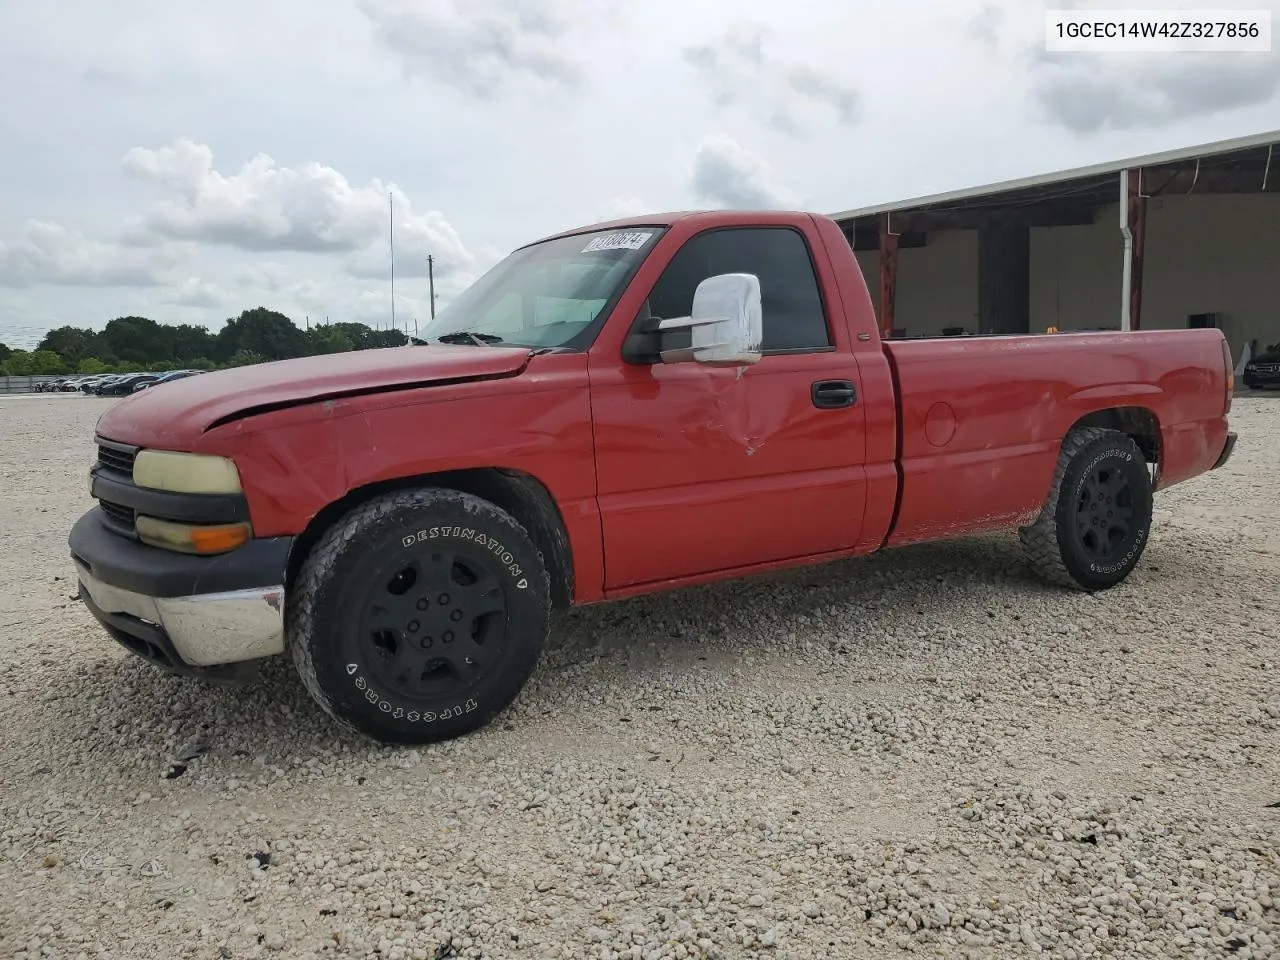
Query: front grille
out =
(116, 457)
(115, 460)
(1266, 367)
(118, 517)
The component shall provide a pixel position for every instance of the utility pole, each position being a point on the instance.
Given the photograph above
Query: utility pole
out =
(431, 282)
(391, 223)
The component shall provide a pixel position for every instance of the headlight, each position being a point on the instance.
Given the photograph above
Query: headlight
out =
(185, 472)
(192, 538)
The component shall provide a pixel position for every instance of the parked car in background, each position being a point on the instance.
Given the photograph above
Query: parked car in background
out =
(165, 378)
(1263, 371)
(89, 384)
(124, 385)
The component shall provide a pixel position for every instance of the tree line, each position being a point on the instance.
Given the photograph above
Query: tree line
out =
(137, 344)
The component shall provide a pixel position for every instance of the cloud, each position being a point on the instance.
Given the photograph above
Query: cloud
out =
(194, 292)
(739, 71)
(1088, 93)
(726, 174)
(620, 208)
(1091, 92)
(266, 208)
(481, 47)
(984, 26)
(50, 253)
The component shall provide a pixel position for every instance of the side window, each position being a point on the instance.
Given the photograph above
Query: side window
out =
(792, 305)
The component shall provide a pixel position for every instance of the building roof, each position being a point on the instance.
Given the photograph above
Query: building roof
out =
(1035, 185)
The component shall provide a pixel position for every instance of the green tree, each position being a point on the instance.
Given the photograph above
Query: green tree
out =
(138, 340)
(191, 341)
(5, 353)
(46, 363)
(378, 339)
(244, 358)
(266, 333)
(19, 364)
(74, 344)
(134, 343)
(329, 339)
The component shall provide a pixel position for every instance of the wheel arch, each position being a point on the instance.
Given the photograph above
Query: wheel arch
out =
(520, 494)
(1138, 423)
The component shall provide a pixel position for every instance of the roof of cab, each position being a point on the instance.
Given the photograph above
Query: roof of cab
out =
(669, 219)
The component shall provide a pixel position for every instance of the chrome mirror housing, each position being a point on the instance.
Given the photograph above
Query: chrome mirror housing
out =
(725, 323)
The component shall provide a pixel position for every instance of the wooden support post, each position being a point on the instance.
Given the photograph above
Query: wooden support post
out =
(888, 275)
(1137, 204)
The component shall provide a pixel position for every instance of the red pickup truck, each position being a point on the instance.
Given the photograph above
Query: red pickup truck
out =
(615, 410)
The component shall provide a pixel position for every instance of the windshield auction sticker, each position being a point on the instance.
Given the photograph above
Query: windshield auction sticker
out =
(618, 241)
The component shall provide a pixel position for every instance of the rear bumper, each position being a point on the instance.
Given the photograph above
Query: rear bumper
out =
(191, 615)
(1227, 450)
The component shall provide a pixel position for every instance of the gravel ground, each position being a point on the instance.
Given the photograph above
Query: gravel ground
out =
(925, 753)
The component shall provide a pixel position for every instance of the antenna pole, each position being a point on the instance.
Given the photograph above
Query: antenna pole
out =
(431, 281)
(391, 223)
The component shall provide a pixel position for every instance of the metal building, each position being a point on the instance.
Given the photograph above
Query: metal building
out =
(1186, 238)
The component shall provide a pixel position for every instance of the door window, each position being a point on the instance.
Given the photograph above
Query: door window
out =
(793, 315)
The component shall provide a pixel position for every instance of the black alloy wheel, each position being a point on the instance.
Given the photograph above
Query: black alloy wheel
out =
(1105, 513)
(419, 615)
(1096, 520)
(433, 624)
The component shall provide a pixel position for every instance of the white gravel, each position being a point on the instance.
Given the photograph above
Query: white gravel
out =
(926, 753)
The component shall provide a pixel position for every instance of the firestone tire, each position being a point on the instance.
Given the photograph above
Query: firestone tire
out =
(1097, 519)
(419, 615)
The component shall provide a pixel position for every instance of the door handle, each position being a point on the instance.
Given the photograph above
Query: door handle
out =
(830, 394)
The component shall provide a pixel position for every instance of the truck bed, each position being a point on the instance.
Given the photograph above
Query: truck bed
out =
(981, 418)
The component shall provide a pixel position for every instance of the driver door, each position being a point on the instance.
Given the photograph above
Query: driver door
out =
(705, 469)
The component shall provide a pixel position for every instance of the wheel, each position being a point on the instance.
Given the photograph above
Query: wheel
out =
(1095, 523)
(419, 615)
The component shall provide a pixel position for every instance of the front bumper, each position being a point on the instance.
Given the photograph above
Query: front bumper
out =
(196, 616)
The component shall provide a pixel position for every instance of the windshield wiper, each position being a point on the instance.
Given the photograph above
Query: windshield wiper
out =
(467, 336)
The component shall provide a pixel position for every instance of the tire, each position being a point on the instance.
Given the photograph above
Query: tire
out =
(396, 647)
(1096, 521)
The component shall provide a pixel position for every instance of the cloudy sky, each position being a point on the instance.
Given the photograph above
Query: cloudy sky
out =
(187, 161)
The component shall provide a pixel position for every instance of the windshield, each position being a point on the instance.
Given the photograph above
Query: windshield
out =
(546, 294)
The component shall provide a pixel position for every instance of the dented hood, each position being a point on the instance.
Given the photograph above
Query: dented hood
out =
(172, 414)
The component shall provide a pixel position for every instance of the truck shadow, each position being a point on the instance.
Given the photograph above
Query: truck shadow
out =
(842, 625)
(135, 711)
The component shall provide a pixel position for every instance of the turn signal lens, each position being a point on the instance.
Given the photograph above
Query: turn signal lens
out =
(192, 538)
(1231, 376)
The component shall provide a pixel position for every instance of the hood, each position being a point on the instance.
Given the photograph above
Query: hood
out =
(1267, 356)
(180, 409)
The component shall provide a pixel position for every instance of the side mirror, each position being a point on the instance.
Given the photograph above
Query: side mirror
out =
(725, 326)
